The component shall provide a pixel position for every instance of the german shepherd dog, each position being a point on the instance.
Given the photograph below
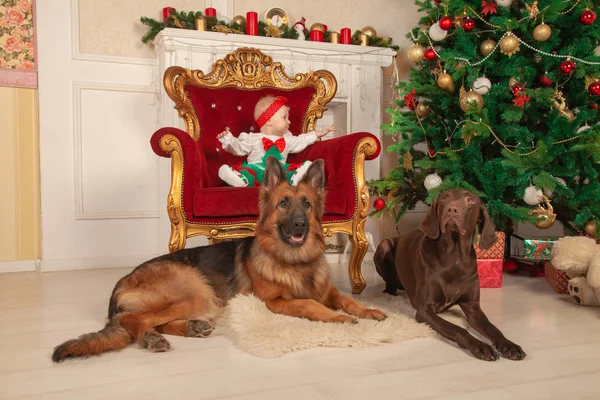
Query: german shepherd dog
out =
(183, 293)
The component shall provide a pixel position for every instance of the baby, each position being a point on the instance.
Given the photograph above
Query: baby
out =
(272, 116)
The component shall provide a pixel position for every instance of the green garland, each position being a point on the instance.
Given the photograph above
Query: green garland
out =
(185, 20)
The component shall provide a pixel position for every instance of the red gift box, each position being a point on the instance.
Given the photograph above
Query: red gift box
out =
(557, 279)
(490, 273)
(494, 252)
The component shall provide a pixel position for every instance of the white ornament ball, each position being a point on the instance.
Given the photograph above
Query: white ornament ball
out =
(561, 181)
(436, 33)
(532, 195)
(504, 3)
(482, 85)
(432, 181)
(224, 18)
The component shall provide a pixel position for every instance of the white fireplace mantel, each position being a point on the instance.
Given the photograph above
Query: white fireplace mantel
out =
(357, 106)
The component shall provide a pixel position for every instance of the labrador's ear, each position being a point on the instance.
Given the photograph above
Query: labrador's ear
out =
(487, 231)
(430, 226)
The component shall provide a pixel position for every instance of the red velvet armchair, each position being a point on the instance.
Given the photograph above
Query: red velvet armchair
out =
(199, 203)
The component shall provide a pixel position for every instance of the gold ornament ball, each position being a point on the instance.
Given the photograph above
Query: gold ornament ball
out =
(415, 53)
(471, 97)
(570, 115)
(239, 19)
(487, 46)
(509, 44)
(445, 82)
(542, 32)
(369, 31)
(423, 111)
(591, 229)
(317, 26)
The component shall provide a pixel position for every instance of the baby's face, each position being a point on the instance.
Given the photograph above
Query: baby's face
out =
(280, 122)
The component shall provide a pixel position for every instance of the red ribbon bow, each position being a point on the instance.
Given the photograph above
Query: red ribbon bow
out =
(489, 7)
(268, 143)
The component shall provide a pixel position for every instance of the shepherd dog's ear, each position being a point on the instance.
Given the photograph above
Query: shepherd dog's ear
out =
(430, 225)
(315, 176)
(274, 174)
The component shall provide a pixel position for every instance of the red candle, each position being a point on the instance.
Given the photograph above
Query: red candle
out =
(210, 12)
(316, 36)
(166, 12)
(346, 36)
(252, 23)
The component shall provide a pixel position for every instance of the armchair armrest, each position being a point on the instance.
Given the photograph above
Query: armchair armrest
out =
(341, 155)
(187, 157)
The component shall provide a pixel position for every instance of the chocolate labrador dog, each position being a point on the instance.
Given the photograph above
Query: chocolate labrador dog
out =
(437, 267)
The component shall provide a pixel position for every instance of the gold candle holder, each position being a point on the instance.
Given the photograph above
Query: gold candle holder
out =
(334, 37)
(200, 24)
(364, 39)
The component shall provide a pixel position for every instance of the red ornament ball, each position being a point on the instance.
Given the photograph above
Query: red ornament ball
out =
(437, 1)
(517, 88)
(510, 265)
(430, 55)
(587, 17)
(468, 24)
(594, 88)
(593, 106)
(567, 67)
(379, 203)
(432, 152)
(545, 81)
(446, 23)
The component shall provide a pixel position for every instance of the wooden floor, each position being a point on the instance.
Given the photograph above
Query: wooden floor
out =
(38, 311)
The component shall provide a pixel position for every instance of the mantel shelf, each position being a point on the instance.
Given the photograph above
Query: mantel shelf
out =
(172, 38)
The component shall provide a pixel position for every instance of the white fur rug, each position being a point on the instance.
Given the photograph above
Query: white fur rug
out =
(258, 331)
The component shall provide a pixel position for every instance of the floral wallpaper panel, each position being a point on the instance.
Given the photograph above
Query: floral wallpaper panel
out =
(17, 43)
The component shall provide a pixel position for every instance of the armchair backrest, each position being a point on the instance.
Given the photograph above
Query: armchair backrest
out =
(226, 97)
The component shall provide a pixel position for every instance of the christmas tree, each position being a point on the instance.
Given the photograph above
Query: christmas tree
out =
(502, 100)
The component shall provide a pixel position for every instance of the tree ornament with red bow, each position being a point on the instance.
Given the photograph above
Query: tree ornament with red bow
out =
(379, 204)
(446, 23)
(430, 54)
(567, 67)
(520, 100)
(594, 88)
(489, 7)
(468, 24)
(410, 100)
(587, 17)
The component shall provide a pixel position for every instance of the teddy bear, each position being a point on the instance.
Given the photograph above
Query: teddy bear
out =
(579, 258)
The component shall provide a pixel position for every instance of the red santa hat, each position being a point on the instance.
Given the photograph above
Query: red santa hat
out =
(301, 22)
